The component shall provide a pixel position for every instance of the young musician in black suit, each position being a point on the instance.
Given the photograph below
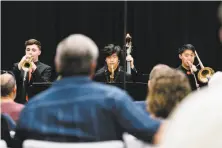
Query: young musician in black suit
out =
(112, 72)
(187, 56)
(38, 71)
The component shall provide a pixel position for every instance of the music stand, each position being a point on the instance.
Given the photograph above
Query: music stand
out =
(38, 87)
(137, 90)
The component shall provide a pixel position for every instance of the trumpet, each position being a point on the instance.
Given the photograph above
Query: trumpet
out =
(205, 73)
(27, 64)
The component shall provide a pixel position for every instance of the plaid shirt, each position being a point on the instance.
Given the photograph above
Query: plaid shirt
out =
(79, 109)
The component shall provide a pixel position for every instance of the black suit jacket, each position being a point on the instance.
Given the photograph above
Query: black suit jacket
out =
(103, 75)
(191, 77)
(41, 74)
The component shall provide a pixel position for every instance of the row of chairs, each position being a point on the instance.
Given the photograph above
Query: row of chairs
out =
(49, 144)
(129, 142)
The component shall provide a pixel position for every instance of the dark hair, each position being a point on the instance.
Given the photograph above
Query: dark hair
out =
(111, 49)
(33, 41)
(185, 47)
(7, 87)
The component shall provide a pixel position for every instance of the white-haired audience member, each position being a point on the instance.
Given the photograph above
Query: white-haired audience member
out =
(77, 109)
(196, 123)
(8, 94)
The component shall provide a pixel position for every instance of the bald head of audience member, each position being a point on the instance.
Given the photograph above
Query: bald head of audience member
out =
(8, 86)
(168, 87)
(76, 55)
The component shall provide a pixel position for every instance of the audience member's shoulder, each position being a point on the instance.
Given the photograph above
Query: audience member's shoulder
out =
(140, 103)
(19, 105)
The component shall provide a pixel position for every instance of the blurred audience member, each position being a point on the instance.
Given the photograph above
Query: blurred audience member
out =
(8, 94)
(155, 72)
(166, 90)
(196, 122)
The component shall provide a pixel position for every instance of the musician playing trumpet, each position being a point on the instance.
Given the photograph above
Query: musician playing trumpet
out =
(30, 69)
(187, 56)
(112, 72)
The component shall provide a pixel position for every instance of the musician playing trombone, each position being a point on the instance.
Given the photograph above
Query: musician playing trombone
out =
(112, 72)
(187, 56)
(30, 69)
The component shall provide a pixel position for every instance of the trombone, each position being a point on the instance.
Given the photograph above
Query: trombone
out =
(205, 73)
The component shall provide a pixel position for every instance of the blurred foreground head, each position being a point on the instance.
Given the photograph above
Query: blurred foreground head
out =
(196, 122)
(167, 89)
(76, 55)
